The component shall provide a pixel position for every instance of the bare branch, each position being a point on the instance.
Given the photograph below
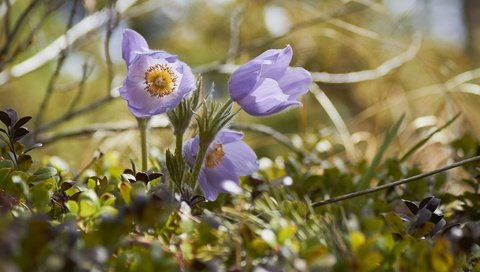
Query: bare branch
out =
(11, 35)
(82, 28)
(394, 184)
(81, 87)
(113, 20)
(56, 73)
(87, 108)
(97, 128)
(28, 40)
(235, 22)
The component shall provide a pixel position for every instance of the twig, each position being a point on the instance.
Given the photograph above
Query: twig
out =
(56, 73)
(235, 22)
(16, 28)
(112, 23)
(85, 26)
(87, 131)
(5, 10)
(81, 87)
(92, 106)
(22, 46)
(393, 184)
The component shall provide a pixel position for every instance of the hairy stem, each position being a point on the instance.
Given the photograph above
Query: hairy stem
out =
(198, 165)
(393, 184)
(143, 128)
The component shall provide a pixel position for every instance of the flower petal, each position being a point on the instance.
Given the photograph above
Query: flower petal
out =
(132, 44)
(295, 82)
(215, 177)
(276, 67)
(243, 80)
(264, 99)
(226, 136)
(242, 157)
(190, 151)
(209, 191)
(140, 102)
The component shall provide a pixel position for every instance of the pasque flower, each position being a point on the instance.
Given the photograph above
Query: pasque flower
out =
(227, 158)
(156, 80)
(267, 85)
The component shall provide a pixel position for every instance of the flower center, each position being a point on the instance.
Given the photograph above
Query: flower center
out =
(215, 156)
(160, 80)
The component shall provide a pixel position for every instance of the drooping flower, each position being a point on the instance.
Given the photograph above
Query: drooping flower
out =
(156, 80)
(227, 158)
(267, 85)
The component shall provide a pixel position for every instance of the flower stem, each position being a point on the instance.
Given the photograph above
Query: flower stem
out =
(198, 165)
(143, 128)
(179, 143)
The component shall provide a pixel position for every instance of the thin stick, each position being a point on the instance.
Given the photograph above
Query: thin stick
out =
(396, 183)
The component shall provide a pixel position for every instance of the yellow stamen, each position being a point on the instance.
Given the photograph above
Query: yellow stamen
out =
(160, 80)
(215, 156)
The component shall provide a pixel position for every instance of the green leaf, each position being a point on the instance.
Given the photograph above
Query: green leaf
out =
(286, 233)
(423, 230)
(6, 164)
(370, 172)
(87, 207)
(43, 174)
(395, 222)
(24, 162)
(4, 172)
(72, 206)
(125, 189)
(40, 198)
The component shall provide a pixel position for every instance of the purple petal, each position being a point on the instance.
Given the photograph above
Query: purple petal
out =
(190, 151)
(226, 136)
(242, 157)
(243, 80)
(188, 80)
(132, 44)
(276, 67)
(295, 82)
(215, 177)
(270, 64)
(140, 102)
(264, 99)
(210, 192)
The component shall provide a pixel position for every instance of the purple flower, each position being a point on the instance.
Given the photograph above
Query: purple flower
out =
(228, 157)
(266, 85)
(156, 80)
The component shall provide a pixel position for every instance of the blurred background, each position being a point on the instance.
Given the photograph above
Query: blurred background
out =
(372, 61)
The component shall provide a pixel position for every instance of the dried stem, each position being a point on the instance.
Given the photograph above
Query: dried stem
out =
(56, 73)
(113, 20)
(11, 35)
(394, 184)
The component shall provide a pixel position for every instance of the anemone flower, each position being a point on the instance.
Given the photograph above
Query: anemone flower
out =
(267, 85)
(156, 80)
(227, 158)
